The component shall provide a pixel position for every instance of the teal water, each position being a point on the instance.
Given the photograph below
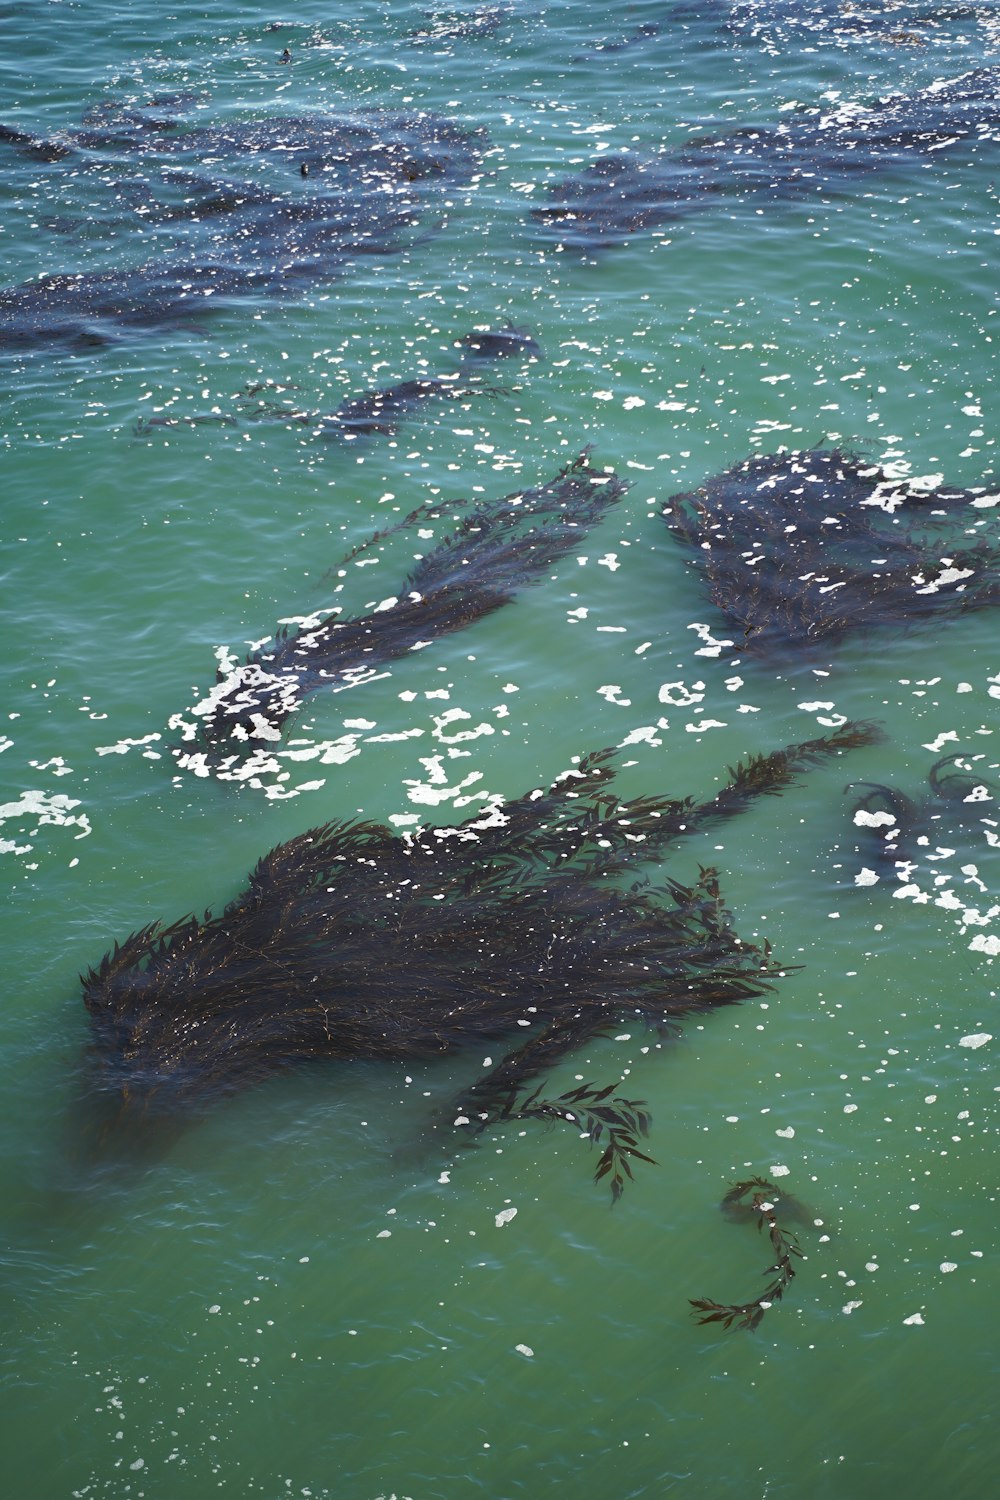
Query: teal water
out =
(311, 1292)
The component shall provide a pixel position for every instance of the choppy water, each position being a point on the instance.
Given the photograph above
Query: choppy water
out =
(308, 1293)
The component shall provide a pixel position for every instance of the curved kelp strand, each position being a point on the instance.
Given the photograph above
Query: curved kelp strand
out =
(799, 548)
(762, 1207)
(496, 550)
(352, 942)
(894, 828)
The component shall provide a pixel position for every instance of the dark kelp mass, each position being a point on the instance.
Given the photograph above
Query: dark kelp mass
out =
(894, 827)
(324, 190)
(497, 549)
(506, 342)
(805, 547)
(810, 152)
(516, 926)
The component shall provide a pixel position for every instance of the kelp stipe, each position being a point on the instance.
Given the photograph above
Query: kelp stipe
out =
(514, 927)
(495, 550)
(799, 548)
(762, 1209)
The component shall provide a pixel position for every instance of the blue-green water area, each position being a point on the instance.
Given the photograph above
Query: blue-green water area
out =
(314, 1288)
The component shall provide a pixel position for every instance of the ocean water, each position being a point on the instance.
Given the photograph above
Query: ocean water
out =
(313, 1291)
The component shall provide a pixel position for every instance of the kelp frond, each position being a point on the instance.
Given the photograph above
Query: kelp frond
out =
(494, 551)
(761, 1208)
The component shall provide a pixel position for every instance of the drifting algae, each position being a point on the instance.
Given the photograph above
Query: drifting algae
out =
(497, 549)
(811, 152)
(806, 547)
(353, 942)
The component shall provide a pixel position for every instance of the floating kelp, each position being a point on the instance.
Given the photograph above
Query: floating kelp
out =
(497, 549)
(325, 190)
(893, 826)
(384, 409)
(762, 1208)
(514, 927)
(507, 342)
(381, 410)
(797, 548)
(808, 153)
(461, 26)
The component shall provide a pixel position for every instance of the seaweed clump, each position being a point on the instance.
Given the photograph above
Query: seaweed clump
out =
(893, 826)
(242, 208)
(804, 547)
(513, 927)
(762, 1209)
(497, 549)
(810, 152)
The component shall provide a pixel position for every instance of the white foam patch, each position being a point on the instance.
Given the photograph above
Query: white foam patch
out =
(41, 809)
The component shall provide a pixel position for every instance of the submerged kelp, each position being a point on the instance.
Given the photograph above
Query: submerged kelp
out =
(460, 26)
(808, 153)
(506, 342)
(762, 1209)
(385, 408)
(780, 25)
(895, 827)
(497, 549)
(799, 548)
(515, 926)
(324, 190)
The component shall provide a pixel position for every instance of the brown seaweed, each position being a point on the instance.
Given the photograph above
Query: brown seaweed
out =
(324, 190)
(496, 550)
(799, 548)
(762, 1207)
(506, 342)
(812, 151)
(894, 824)
(515, 927)
(461, 26)
(384, 409)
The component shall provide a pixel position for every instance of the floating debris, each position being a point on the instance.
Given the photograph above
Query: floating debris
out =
(497, 549)
(762, 1209)
(796, 548)
(515, 927)
(810, 152)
